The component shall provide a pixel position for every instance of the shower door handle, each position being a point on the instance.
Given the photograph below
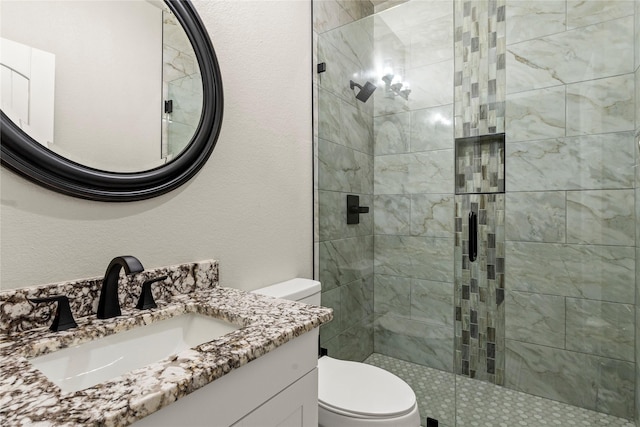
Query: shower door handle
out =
(473, 236)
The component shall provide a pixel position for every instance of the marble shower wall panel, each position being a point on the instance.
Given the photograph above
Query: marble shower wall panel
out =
(571, 220)
(330, 14)
(431, 128)
(581, 379)
(536, 114)
(344, 169)
(603, 161)
(637, 194)
(425, 258)
(637, 26)
(594, 272)
(413, 173)
(340, 69)
(413, 185)
(413, 42)
(413, 320)
(414, 341)
(346, 275)
(545, 223)
(392, 133)
(479, 79)
(415, 215)
(528, 20)
(599, 106)
(600, 328)
(413, 131)
(582, 54)
(392, 214)
(535, 318)
(350, 335)
(343, 127)
(344, 123)
(601, 217)
(431, 215)
(581, 13)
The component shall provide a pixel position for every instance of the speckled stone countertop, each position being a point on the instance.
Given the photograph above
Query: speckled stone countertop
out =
(27, 397)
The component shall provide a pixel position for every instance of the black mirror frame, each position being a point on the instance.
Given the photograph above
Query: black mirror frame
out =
(24, 156)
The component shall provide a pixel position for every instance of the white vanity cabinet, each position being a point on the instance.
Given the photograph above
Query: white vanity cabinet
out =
(277, 389)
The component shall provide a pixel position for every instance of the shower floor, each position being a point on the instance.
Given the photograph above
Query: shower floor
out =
(484, 404)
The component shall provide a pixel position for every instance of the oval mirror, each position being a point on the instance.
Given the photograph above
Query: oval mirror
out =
(107, 100)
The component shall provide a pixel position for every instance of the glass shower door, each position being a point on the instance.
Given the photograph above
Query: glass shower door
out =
(542, 326)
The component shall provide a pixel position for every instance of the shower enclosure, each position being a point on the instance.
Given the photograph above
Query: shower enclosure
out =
(495, 270)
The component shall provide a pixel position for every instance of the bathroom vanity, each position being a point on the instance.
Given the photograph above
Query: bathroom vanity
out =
(260, 371)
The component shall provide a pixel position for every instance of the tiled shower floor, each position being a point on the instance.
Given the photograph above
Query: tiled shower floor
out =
(484, 404)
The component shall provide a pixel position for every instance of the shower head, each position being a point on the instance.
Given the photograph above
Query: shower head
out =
(365, 92)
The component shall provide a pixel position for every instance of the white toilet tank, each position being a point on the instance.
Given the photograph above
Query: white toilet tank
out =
(302, 290)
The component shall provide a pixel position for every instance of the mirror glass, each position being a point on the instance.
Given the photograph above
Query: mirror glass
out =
(112, 85)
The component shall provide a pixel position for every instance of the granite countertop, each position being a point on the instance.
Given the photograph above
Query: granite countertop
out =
(28, 397)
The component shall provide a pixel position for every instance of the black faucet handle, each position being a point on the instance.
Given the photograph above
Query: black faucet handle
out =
(146, 297)
(63, 319)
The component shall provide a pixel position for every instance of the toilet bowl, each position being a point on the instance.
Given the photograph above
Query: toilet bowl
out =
(352, 394)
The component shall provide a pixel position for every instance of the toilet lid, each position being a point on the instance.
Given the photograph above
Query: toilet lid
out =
(361, 389)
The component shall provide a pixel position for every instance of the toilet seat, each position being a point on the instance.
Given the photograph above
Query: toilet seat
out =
(358, 390)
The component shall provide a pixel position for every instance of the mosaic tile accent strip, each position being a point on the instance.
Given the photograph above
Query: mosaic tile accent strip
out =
(480, 404)
(479, 289)
(480, 75)
(480, 164)
(17, 314)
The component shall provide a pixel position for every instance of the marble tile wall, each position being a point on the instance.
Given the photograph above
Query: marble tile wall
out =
(413, 185)
(561, 79)
(637, 184)
(571, 221)
(343, 159)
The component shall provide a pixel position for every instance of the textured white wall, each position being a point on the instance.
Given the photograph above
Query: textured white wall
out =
(102, 79)
(250, 207)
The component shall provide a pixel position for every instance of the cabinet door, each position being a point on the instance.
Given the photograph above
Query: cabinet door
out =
(295, 406)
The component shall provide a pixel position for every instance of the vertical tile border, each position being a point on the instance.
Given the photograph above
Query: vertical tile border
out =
(480, 75)
(479, 289)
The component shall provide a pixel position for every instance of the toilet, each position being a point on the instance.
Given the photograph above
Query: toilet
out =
(352, 394)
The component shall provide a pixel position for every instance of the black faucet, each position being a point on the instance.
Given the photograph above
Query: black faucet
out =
(109, 305)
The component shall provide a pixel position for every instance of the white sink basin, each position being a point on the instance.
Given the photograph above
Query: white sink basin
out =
(94, 362)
